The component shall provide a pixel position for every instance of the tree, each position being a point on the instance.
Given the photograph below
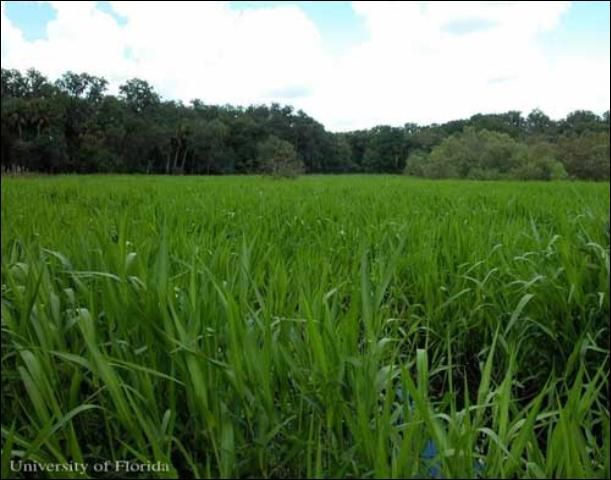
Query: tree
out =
(340, 158)
(585, 156)
(541, 163)
(510, 123)
(538, 123)
(582, 121)
(139, 95)
(385, 151)
(245, 135)
(470, 154)
(214, 154)
(74, 125)
(14, 84)
(416, 163)
(278, 158)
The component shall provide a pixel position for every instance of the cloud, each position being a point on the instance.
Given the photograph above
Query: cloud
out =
(413, 68)
(80, 38)
(470, 25)
(289, 92)
(185, 49)
(422, 62)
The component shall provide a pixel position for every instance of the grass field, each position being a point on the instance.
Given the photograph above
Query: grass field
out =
(323, 327)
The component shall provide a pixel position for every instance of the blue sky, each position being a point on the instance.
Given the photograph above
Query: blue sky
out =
(585, 28)
(351, 64)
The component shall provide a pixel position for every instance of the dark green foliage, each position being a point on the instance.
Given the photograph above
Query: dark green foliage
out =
(385, 150)
(73, 125)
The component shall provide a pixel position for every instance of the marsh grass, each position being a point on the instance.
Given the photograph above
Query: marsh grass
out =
(323, 327)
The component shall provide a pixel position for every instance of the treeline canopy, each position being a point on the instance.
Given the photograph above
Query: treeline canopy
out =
(74, 125)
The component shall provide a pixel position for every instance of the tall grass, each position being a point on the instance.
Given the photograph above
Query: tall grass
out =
(323, 327)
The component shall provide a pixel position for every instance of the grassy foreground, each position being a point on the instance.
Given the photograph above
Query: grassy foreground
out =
(323, 327)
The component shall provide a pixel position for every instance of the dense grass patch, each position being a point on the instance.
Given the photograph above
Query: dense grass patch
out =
(322, 327)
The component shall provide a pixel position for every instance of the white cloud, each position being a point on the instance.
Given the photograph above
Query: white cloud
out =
(185, 49)
(415, 67)
(80, 38)
(421, 62)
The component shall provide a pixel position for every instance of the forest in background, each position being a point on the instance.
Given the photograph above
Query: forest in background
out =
(72, 125)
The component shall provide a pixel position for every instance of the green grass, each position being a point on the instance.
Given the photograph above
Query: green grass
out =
(322, 327)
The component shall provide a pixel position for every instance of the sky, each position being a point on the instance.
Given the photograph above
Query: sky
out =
(350, 65)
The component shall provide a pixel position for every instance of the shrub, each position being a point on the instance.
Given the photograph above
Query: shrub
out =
(278, 158)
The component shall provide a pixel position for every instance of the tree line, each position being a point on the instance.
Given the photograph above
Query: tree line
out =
(73, 125)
